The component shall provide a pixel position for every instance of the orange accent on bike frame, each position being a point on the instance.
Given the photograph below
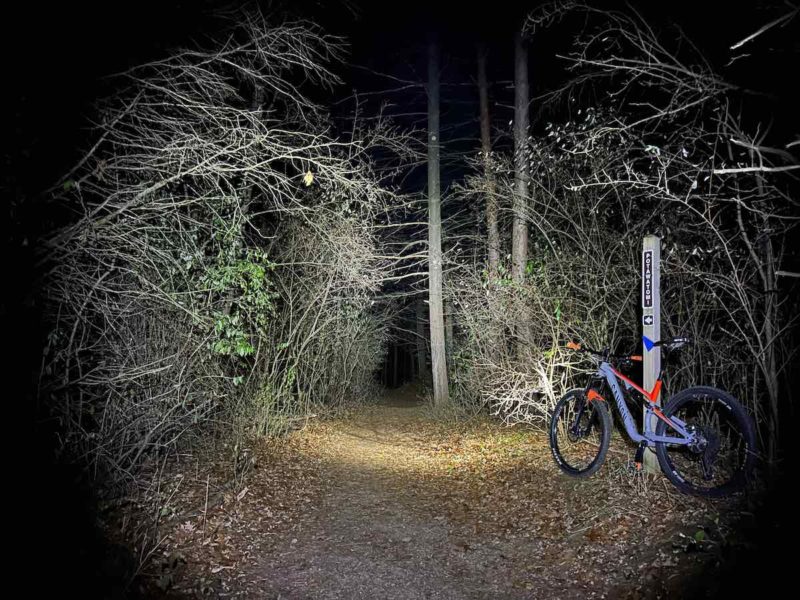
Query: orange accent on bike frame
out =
(656, 391)
(652, 397)
(593, 395)
(636, 357)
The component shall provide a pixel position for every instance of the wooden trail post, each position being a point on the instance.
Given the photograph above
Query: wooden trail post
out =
(651, 327)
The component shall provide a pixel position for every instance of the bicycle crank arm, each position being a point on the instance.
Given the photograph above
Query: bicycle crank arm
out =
(639, 458)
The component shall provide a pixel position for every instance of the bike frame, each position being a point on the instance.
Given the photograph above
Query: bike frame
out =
(605, 372)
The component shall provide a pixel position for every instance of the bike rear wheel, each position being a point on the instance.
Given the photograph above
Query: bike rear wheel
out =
(724, 455)
(580, 432)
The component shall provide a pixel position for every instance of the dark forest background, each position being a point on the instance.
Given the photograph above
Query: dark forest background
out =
(57, 59)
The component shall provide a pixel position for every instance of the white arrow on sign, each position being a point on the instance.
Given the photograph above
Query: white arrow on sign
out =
(648, 319)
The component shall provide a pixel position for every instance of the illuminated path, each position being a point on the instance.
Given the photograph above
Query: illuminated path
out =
(413, 510)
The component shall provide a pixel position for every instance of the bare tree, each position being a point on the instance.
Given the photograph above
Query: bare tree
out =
(493, 233)
(438, 353)
(222, 258)
(519, 233)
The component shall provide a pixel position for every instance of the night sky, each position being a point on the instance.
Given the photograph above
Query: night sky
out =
(60, 56)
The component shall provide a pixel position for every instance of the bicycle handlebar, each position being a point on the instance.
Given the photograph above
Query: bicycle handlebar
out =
(580, 348)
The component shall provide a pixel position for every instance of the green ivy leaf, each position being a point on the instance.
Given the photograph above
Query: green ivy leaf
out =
(699, 536)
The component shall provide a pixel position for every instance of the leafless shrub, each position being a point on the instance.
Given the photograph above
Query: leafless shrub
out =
(665, 152)
(219, 261)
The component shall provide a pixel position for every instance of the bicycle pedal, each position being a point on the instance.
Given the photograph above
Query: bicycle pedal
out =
(633, 468)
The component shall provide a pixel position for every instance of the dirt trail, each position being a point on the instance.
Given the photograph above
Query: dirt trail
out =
(377, 535)
(390, 502)
(400, 518)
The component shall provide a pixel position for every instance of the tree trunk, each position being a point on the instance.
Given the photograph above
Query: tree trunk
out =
(493, 236)
(438, 364)
(519, 232)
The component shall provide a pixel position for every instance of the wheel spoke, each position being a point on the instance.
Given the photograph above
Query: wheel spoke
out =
(578, 434)
(717, 457)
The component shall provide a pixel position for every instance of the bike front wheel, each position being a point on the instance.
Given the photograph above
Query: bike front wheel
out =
(723, 454)
(580, 432)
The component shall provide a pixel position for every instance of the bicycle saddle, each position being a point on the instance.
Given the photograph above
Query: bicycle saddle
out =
(668, 344)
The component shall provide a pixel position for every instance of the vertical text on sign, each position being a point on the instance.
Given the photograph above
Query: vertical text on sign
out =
(647, 282)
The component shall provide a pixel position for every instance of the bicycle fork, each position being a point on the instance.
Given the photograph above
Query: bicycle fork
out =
(590, 394)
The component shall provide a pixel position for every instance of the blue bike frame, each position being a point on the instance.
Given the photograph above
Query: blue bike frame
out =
(612, 377)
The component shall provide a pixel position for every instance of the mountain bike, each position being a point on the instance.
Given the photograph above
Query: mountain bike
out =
(703, 438)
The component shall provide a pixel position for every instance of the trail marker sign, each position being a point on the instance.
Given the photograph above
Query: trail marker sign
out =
(651, 326)
(647, 277)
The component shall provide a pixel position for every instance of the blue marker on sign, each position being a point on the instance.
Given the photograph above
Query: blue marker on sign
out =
(648, 343)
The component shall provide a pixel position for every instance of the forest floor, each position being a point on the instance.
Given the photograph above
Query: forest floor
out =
(391, 501)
